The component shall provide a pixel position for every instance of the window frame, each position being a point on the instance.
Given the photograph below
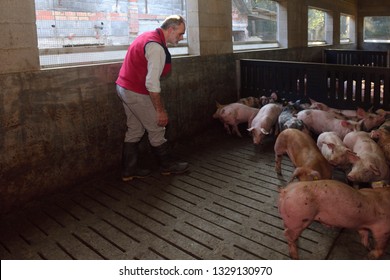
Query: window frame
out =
(328, 29)
(252, 45)
(352, 27)
(53, 57)
(373, 41)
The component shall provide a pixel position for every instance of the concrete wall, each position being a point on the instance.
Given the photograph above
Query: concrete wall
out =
(59, 127)
(18, 42)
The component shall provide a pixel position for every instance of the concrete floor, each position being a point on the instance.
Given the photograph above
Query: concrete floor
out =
(223, 208)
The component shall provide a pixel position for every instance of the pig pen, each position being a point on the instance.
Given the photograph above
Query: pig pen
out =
(356, 57)
(338, 86)
(224, 208)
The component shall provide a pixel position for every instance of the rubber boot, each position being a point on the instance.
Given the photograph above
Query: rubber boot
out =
(129, 163)
(168, 165)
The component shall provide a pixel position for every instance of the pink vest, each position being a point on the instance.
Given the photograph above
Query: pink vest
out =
(132, 75)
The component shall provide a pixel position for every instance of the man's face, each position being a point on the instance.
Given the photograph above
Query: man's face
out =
(176, 34)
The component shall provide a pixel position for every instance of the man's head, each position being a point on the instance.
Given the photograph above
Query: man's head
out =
(174, 28)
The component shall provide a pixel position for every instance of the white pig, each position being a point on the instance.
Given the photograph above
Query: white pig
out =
(336, 204)
(368, 120)
(319, 121)
(233, 114)
(337, 112)
(334, 150)
(265, 122)
(369, 164)
(382, 136)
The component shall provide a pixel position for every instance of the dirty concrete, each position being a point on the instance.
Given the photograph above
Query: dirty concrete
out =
(224, 208)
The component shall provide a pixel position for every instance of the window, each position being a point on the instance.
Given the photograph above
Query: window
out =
(377, 29)
(319, 27)
(254, 24)
(91, 31)
(347, 29)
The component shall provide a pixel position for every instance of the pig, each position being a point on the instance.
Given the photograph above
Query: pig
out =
(268, 99)
(265, 121)
(369, 121)
(319, 121)
(336, 204)
(369, 163)
(250, 101)
(337, 113)
(334, 150)
(234, 114)
(309, 163)
(382, 136)
(384, 113)
(287, 119)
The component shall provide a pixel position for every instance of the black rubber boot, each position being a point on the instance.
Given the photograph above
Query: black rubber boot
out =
(129, 163)
(168, 165)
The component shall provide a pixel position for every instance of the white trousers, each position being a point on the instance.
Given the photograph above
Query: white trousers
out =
(141, 115)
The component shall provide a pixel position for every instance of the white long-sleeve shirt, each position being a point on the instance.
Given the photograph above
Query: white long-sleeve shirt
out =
(155, 56)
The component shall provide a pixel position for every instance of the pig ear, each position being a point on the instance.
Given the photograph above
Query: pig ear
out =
(331, 146)
(344, 123)
(315, 175)
(352, 157)
(297, 172)
(360, 112)
(348, 124)
(264, 131)
(218, 105)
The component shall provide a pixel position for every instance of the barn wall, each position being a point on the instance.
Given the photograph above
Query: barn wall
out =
(62, 126)
(59, 127)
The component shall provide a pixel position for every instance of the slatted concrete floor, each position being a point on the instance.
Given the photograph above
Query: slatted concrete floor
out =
(224, 208)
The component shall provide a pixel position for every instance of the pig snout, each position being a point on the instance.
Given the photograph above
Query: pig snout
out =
(257, 134)
(363, 174)
(374, 134)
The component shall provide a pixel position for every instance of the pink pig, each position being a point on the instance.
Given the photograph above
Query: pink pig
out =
(334, 150)
(336, 112)
(319, 121)
(303, 152)
(382, 136)
(336, 204)
(234, 114)
(369, 121)
(265, 122)
(369, 164)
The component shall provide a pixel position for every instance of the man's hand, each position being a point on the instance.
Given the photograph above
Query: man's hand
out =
(162, 116)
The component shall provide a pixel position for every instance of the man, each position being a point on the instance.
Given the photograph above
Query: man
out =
(138, 86)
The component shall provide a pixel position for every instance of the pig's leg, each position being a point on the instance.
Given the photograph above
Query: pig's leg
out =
(292, 237)
(381, 239)
(276, 129)
(364, 237)
(235, 129)
(227, 127)
(278, 163)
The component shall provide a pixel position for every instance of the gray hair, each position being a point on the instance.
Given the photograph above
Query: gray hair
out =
(172, 21)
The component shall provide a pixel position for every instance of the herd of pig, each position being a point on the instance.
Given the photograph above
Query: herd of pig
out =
(317, 139)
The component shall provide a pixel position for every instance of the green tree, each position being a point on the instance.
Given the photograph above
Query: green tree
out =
(265, 4)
